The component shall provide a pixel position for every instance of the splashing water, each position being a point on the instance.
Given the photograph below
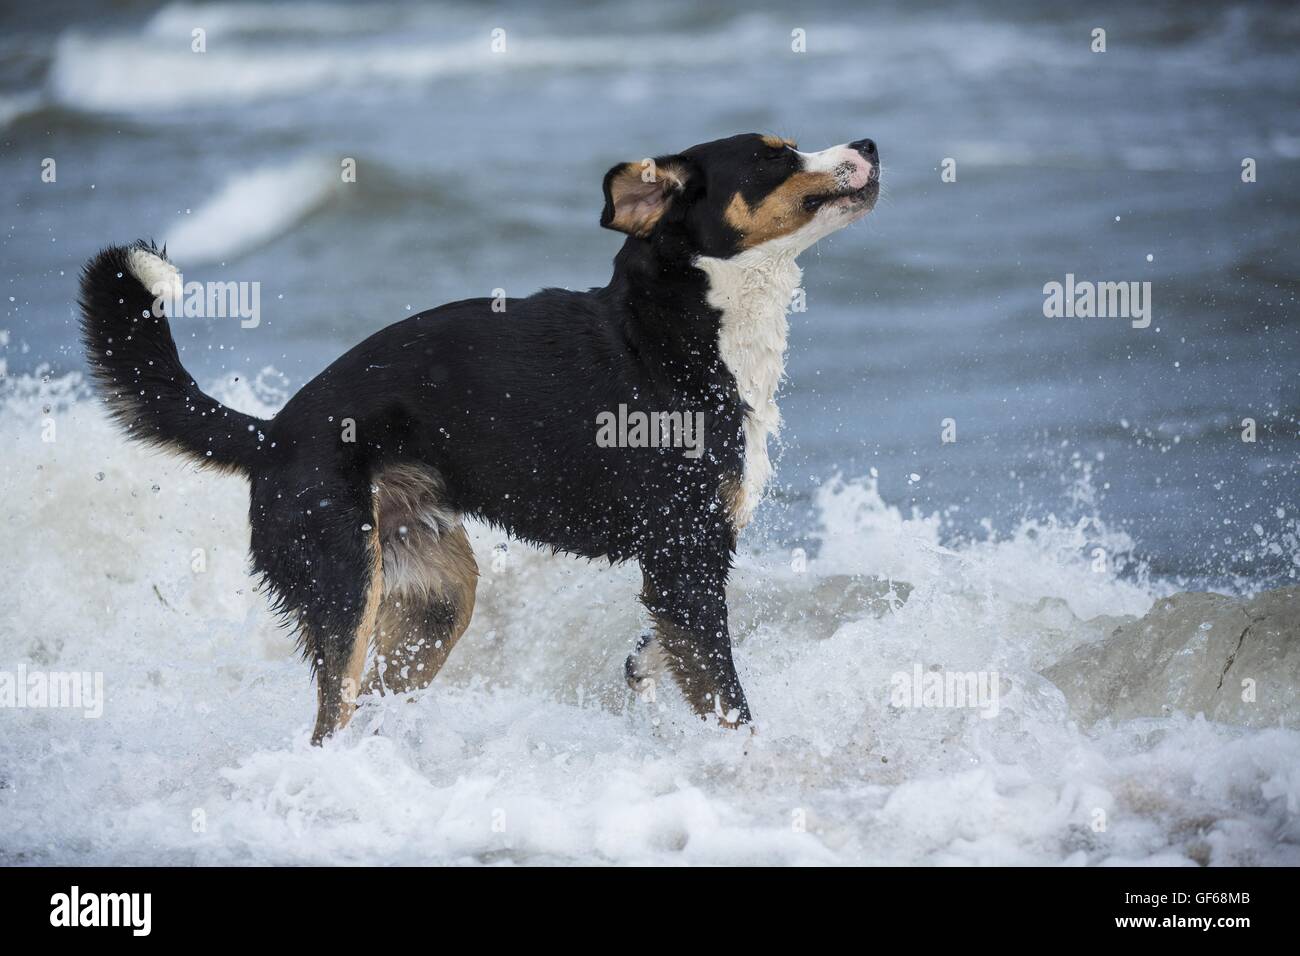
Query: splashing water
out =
(528, 748)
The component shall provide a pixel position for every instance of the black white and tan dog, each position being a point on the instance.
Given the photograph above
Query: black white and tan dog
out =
(469, 410)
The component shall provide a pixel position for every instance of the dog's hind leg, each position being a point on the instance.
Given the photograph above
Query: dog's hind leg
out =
(316, 543)
(421, 621)
(339, 641)
(430, 578)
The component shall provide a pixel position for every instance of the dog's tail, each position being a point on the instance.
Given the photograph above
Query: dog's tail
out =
(134, 363)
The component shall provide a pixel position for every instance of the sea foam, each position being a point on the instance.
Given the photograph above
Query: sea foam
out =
(529, 749)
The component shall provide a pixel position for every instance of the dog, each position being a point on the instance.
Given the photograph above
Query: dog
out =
(359, 485)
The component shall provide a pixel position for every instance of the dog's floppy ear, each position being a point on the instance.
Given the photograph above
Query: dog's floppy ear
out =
(638, 194)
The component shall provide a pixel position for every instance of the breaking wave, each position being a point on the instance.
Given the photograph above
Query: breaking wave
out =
(253, 208)
(528, 748)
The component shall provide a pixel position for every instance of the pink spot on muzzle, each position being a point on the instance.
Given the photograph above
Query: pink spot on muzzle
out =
(861, 174)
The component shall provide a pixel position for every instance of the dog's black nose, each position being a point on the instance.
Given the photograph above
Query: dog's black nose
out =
(867, 147)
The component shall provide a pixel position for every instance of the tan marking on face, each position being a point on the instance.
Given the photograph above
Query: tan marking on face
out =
(781, 212)
(776, 142)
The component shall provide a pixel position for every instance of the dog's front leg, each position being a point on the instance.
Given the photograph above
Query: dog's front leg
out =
(686, 594)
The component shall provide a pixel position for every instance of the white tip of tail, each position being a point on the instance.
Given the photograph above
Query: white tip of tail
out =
(155, 273)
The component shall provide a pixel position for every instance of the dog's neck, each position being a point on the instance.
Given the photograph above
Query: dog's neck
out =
(701, 310)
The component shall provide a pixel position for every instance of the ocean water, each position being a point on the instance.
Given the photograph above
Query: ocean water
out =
(881, 546)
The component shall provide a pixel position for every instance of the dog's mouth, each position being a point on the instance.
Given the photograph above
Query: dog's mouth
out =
(846, 198)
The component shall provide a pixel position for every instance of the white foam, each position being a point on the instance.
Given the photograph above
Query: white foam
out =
(227, 19)
(528, 747)
(136, 73)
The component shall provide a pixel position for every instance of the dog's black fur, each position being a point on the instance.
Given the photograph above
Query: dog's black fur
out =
(497, 410)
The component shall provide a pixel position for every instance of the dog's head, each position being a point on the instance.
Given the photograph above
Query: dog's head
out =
(746, 192)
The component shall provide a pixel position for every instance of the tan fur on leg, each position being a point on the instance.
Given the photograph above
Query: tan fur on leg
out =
(704, 673)
(430, 580)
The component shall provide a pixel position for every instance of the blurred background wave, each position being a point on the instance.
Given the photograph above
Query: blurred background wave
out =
(479, 170)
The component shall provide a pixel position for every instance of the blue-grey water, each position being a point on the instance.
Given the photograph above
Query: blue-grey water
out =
(480, 169)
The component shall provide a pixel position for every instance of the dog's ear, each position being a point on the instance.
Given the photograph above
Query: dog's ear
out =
(638, 194)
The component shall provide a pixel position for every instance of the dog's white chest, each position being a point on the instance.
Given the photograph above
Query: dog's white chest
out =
(753, 292)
